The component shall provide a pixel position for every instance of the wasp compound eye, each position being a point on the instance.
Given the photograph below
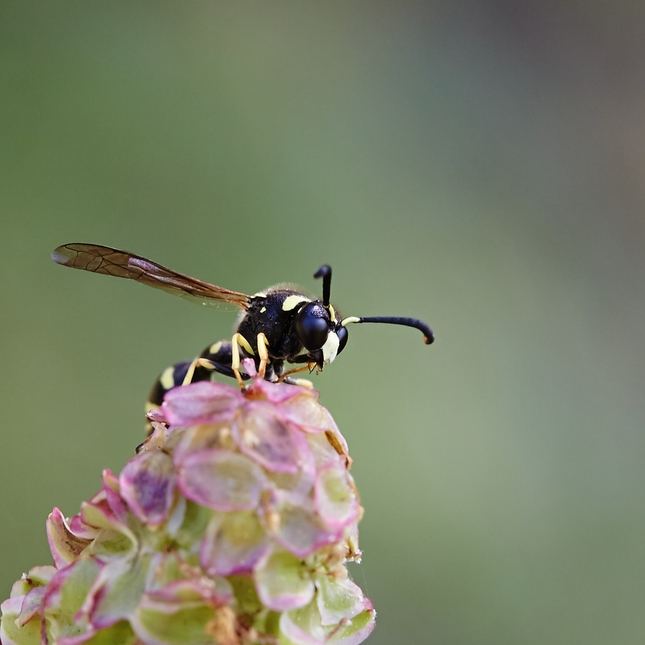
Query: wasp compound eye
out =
(343, 334)
(312, 325)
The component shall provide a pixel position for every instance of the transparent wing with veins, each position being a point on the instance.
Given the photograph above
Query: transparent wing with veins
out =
(121, 264)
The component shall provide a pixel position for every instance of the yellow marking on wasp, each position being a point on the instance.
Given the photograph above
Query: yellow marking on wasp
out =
(190, 373)
(245, 343)
(349, 320)
(259, 294)
(236, 341)
(167, 379)
(291, 302)
(263, 310)
(263, 343)
(215, 347)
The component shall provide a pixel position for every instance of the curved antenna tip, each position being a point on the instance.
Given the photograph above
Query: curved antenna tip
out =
(324, 270)
(325, 273)
(428, 335)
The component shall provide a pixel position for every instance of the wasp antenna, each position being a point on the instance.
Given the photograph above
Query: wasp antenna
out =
(325, 273)
(428, 336)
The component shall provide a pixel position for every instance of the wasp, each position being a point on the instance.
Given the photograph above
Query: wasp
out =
(276, 326)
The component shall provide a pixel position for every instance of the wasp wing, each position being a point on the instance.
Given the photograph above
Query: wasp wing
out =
(121, 264)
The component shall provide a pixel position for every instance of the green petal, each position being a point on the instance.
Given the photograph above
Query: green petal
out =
(119, 634)
(28, 634)
(283, 582)
(338, 599)
(303, 627)
(121, 585)
(65, 597)
(174, 623)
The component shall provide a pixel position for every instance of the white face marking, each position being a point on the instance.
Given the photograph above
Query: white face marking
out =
(330, 348)
(291, 302)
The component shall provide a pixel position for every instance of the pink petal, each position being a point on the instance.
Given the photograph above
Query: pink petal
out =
(40, 575)
(283, 582)
(273, 392)
(158, 621)
(305, 411)
(201, 403)
(116, 591)
(113, 498)
(148, 485)
(323, 451)
(233, 543)
(298, 528)
(200, 438)
(303, 627)
(156, 415)
(64, 545)
(222, 480)
(118, 541)
(82, 530)
(300, 484)
(10, 611)
(335, 497)
(217, 590)
(35, 577)
(66, 593)
(262, 435)
(339, 599)
(118, 634)
(31, 605)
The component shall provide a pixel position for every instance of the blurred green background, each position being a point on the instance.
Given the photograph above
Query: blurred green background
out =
(478, 165)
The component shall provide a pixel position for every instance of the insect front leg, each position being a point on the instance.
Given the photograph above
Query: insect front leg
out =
(286, 377)
(236, 342)
(263, 345)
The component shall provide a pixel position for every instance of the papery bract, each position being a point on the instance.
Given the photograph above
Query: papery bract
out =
(231, 525)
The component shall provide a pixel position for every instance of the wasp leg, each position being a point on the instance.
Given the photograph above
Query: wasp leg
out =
(236, 342)
(221, 355)
(192, 369)
(215, 358)
(179, 374)
(302, 382)
(263, 343)
(295, 370)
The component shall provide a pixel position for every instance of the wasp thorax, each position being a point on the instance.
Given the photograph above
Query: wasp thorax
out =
(312, 325)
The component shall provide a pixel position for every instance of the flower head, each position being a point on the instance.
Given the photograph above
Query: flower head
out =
(232, 525)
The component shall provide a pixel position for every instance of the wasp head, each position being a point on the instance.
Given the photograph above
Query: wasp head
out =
(320, 332)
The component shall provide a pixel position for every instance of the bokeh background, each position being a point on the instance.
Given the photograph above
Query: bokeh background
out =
(480, 165)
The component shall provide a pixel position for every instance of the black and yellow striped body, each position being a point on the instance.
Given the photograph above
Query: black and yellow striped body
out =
(271, 313)
(277, 326)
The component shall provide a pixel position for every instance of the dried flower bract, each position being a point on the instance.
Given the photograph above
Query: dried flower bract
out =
(232, 525)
